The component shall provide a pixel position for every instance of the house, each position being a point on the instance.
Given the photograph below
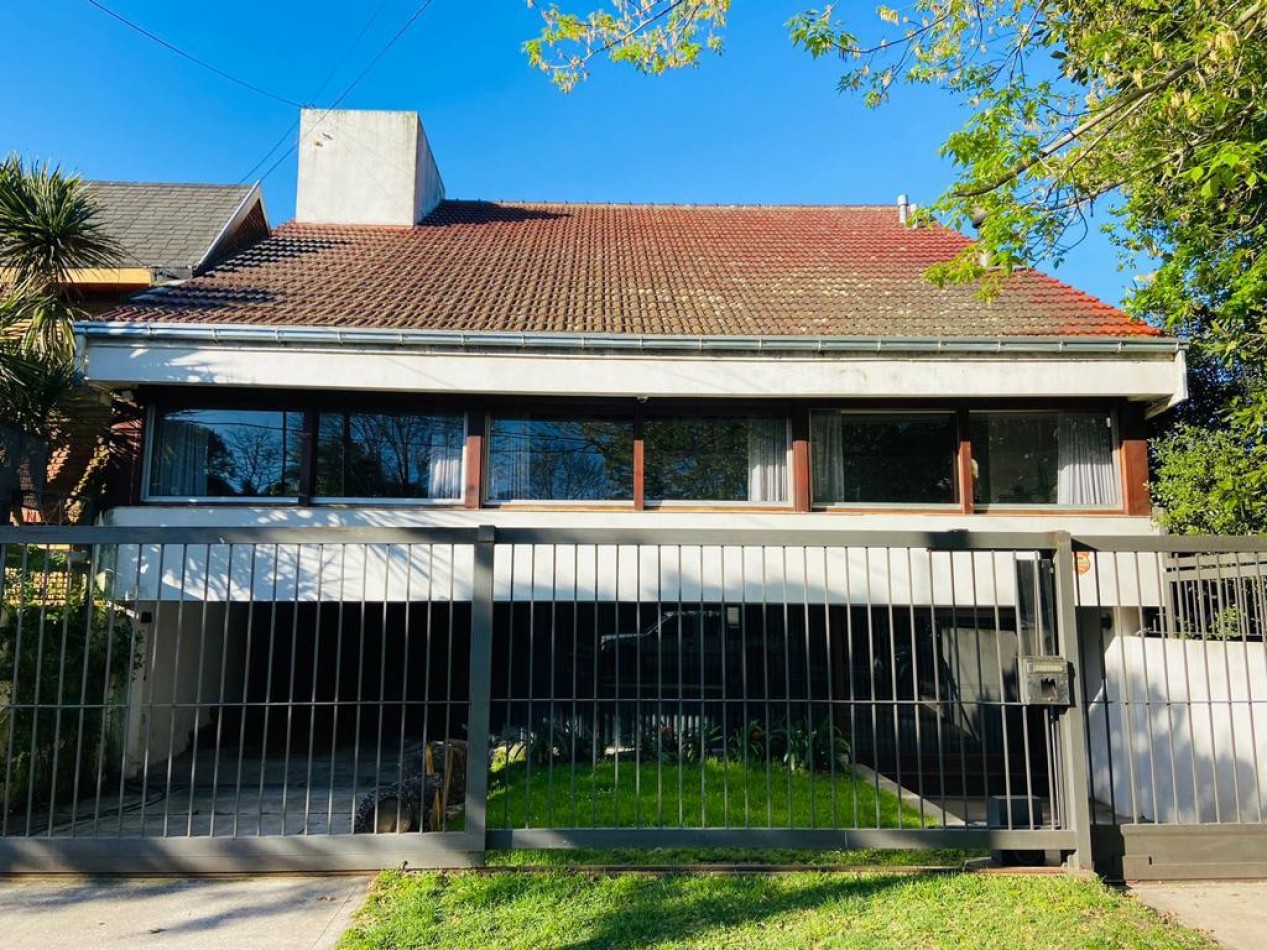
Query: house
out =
(394, 356)
(397, 359)
(166, 232)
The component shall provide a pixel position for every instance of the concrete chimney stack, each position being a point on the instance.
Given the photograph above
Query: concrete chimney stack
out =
(360, 167)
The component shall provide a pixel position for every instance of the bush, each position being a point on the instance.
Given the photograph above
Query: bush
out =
(1210, 481)
(57, 648)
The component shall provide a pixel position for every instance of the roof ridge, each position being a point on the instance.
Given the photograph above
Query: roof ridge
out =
(692, 205)
(167, 184)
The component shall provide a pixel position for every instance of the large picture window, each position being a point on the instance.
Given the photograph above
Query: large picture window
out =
(389, 455)
(560, 458)
(1043, 458)
(716, 458)
(225, 453)
(878, 458)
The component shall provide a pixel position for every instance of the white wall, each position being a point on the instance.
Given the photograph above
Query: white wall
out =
(186, 649)
(1180, 728)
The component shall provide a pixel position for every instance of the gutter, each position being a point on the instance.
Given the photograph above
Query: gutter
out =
(138, 332)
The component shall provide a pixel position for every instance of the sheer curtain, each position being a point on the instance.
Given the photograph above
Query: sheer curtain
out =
(510, 459)
(444, 470)
(827, 457)
(767, 460)
(1085, 473)
(181, 460)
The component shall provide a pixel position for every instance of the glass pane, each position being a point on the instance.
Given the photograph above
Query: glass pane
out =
(560, 459)
(389, 455)
(225, 453)
(716, 458)
(883, 458)
(1043, 458)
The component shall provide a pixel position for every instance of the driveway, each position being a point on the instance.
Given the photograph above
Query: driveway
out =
(279, 913)
(1233, 912)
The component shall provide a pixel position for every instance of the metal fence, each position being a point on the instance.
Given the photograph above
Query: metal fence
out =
(345, 698)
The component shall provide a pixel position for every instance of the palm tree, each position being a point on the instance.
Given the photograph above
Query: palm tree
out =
(48, 230)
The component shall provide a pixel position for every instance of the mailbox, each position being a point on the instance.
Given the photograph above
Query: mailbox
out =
(1045, 681)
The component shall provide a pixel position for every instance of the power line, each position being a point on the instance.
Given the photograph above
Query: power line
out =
(413, 18)
(193, 59)
(320, 89)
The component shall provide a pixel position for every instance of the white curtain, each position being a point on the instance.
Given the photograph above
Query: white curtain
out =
(444, 471)
(181, 460)
(767, 460)
(827, 457)
(1085, 475)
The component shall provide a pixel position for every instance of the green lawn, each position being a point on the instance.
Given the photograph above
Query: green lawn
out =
(582, 911)
(720, 793)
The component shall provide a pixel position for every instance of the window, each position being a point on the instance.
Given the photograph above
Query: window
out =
(1043, 458)
(716, 458)
(883, 458)
(225, 453)
(560, 458)
(389, 455)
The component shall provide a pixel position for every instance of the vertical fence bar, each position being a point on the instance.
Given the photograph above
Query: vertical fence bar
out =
(1073, 726)
(480, 689)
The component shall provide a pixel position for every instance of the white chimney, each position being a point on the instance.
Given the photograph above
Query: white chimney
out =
(358, 167)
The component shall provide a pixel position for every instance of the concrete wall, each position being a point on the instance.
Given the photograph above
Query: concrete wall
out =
(1178, 727)
(193, 656)
(362, 167)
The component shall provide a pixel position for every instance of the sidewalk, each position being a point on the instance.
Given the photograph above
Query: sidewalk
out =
(1233, 912)
(278, 913)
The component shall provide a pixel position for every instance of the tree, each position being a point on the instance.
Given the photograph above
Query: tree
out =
(1155, 108)
(48, 230)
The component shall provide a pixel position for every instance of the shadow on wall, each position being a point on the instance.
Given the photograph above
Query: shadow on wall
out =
(1178, 728)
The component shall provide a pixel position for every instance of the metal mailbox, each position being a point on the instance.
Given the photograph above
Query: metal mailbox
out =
(1045, 681)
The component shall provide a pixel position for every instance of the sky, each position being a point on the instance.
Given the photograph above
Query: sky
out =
(762, 123)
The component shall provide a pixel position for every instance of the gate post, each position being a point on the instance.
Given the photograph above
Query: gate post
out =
(1073, 732)
(480, 689)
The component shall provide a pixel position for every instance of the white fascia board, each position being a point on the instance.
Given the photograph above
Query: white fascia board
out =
(240, 516)
(1153, 376)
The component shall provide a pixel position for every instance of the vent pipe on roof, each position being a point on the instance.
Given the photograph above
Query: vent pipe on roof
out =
(364, 167)
(903, 210)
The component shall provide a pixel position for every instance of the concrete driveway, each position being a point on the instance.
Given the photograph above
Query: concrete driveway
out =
(1234, 913)
(279, 913)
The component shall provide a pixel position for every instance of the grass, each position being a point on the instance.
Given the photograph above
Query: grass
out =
(662, 857)
(583, 911)
(714, 795)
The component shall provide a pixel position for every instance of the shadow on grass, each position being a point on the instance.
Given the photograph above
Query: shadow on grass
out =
(677, 909)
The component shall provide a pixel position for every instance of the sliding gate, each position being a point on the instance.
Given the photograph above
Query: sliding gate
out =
(269, 699)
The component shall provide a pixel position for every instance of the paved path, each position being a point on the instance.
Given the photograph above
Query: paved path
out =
(1233, 912)
(278, 913)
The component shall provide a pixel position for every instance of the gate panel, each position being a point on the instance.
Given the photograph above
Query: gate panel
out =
(1176, 686)
(677, 693)
(185, 703)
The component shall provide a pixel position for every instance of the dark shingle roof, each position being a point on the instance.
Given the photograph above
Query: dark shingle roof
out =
(167, 227)
(837, 271)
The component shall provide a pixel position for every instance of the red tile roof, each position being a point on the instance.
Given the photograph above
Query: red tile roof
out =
(681, 270)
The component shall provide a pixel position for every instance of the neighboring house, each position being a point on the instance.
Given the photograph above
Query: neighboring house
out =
(394, 357)
(166, 232)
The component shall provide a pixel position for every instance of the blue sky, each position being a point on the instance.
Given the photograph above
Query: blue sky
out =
(762, 123)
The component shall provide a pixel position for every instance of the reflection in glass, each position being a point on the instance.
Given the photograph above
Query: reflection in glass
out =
(716, 458)
(225, 453)
(558, 458)
(389, 455)
(883, 458)
(1043, 458)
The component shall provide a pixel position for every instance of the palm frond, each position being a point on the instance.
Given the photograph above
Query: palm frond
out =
(49, 227)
